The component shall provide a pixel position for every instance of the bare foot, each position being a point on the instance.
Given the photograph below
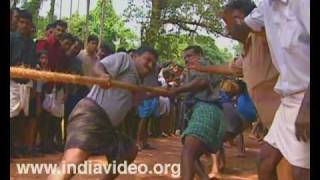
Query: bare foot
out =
(139, 146)
(214, 176)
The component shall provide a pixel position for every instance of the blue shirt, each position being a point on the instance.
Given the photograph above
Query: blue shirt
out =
(246, 107)
(224, 97)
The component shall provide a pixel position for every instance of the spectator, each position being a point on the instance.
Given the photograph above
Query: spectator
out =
(131, 52)
(49, 29)
(56, 45)
(88, 56)
(75, 92)
(104, 50)
(14, 16)
(53, 46)
(22, 52)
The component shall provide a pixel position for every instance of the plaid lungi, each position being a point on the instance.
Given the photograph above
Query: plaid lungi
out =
(207, 124)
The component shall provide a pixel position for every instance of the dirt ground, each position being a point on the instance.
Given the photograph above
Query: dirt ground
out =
(167, 150)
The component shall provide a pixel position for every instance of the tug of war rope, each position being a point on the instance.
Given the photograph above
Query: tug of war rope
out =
(27, 73)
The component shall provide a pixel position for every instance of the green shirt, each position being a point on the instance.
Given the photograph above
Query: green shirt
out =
(22, 51)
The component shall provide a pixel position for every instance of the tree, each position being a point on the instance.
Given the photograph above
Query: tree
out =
(171, 47)
(191, 16)
(33, 6)
(14, 3)
(60, 12)
(70, 7)
(103, 8)
(87, 22)
(113, 26)
(51, 12)
(238, 48)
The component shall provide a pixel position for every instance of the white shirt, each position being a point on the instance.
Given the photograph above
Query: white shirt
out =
(287, 25)
(162, 80)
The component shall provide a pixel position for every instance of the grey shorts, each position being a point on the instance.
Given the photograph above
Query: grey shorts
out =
(90, 129)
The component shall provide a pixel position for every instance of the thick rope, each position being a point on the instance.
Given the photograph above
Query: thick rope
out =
(25, 73)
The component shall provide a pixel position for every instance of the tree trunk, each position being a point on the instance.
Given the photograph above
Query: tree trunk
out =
(34, 8)
(70, 8)
(78, 6)
(152, 32)
(102, 18)
(87, 23)
(15, 2)
(51, 12)
(60, 9)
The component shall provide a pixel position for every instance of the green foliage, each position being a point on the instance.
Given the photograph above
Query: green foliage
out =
(41, 26)
(33, 6)
(184, 15)
(169, 44)
(76, 25)
(178, 17)
(114, 27)
(238, 48)
(170, 48)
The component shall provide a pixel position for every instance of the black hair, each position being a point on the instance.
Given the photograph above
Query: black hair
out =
(107, 47)
(242, 86)
(51, 25)
(246, 6)
(166, 64)
(25, 15)
(92, 38)
(42, 52)
(196, 49)
(60, 23)
(144, 49)
(166, 73)
(68, 36)
(77, 39)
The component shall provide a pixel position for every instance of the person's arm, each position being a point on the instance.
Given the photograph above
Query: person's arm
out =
(100, 71)
(112, 66)
(255, 20)
(194, 85)
(219, 69)
(225, 69)
(302, 123)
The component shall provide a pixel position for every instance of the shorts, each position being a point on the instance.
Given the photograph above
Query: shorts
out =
(90, 129)
(149, 108)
